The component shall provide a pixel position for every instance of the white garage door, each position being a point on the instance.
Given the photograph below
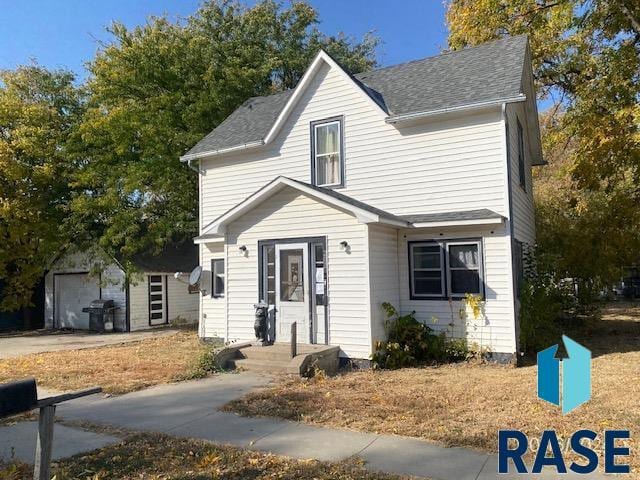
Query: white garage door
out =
(73, 293)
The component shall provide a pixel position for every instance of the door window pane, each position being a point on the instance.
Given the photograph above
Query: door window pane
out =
(291, 276)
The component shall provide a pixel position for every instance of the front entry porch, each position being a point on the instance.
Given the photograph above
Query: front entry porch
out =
(277, 358)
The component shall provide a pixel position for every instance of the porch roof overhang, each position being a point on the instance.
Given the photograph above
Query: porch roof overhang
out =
(363, 212)
(214, 232)
(482, 216)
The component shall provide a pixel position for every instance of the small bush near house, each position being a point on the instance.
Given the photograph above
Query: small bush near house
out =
(408, 343)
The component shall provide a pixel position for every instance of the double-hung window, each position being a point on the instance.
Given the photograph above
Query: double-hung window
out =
(445, 269)
(427, 270)
(327, 162)
(218, 277)
(463, 268)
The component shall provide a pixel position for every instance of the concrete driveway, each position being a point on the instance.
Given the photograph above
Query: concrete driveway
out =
(16, 346)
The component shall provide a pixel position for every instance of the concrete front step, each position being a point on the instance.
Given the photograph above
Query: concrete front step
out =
(265, 366)
(277, 358)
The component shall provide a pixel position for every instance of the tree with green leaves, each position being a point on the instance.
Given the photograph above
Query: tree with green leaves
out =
(38, 111)
(155, 90)
(586, 56)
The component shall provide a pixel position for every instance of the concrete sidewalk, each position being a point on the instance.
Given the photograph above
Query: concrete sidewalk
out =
(190, 410)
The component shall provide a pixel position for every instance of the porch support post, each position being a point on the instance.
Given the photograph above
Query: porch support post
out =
(294, 339)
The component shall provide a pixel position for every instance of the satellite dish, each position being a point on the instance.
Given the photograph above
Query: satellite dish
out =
(195, 276)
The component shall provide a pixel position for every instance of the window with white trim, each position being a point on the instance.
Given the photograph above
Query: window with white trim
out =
(327, 153)
(218, 277)
(445, 269)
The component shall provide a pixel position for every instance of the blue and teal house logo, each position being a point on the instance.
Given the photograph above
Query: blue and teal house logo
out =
(565, 382)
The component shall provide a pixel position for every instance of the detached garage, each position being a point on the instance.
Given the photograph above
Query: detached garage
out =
(150, 297)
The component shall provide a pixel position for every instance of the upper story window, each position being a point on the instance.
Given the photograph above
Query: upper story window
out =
(327, 153)
(521, 164)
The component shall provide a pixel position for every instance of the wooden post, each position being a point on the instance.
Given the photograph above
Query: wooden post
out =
(294, 339)
(42, 468)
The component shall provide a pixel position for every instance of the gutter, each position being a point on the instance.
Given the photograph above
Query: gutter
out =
(194, 156)
(471, 106)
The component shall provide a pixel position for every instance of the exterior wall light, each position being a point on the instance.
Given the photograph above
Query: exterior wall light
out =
(243, 249)
(344, 244)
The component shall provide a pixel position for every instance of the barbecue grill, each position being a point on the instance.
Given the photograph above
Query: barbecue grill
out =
(101, 313)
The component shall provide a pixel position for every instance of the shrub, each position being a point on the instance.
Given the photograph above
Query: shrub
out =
(408, 343)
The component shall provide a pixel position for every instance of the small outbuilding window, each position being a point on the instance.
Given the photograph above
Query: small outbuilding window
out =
(445, 269)
(327, 153)
(218, 277)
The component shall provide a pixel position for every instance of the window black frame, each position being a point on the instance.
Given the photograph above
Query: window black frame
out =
(442, 243)
(312, 137)
(522, 174)
(214, 262)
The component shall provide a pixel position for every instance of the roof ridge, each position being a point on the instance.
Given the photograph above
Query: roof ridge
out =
(443, 54)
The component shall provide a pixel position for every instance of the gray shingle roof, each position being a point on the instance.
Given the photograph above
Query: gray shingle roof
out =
(489, 72)
(481, 214)
(174, 257)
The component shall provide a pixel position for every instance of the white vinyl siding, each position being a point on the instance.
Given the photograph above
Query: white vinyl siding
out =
(521, 200)
(497, 330)
(383, 270)
(289, 214)
(454, 163)
(212, 309)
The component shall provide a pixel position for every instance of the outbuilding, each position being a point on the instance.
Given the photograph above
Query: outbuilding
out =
(153, 293)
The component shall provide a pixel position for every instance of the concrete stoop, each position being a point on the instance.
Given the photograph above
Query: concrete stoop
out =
(277, 358)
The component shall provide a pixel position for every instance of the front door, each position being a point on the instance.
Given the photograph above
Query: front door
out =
(292, 291)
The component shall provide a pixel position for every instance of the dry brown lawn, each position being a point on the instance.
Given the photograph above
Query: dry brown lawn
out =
(155, 456)
(466, 404)
(117, 368)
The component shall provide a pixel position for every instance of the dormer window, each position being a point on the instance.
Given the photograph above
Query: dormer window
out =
(327, 153)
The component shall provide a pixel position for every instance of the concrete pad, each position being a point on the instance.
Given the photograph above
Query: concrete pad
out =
(228, 428)
(18, 441)
(305, 441)
(415, 457)
(18, 345)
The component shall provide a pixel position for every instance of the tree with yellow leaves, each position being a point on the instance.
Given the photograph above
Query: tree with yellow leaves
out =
(586, 57)
(38, 109)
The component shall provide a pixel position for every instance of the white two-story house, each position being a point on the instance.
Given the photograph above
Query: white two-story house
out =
(410, 184)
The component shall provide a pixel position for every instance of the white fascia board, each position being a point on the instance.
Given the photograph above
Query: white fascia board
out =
(202, 239)
(461, 108)
(244, 146)
(459, 223)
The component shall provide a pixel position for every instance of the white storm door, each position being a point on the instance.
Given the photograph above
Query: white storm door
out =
(292, 291)
(73, 292)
